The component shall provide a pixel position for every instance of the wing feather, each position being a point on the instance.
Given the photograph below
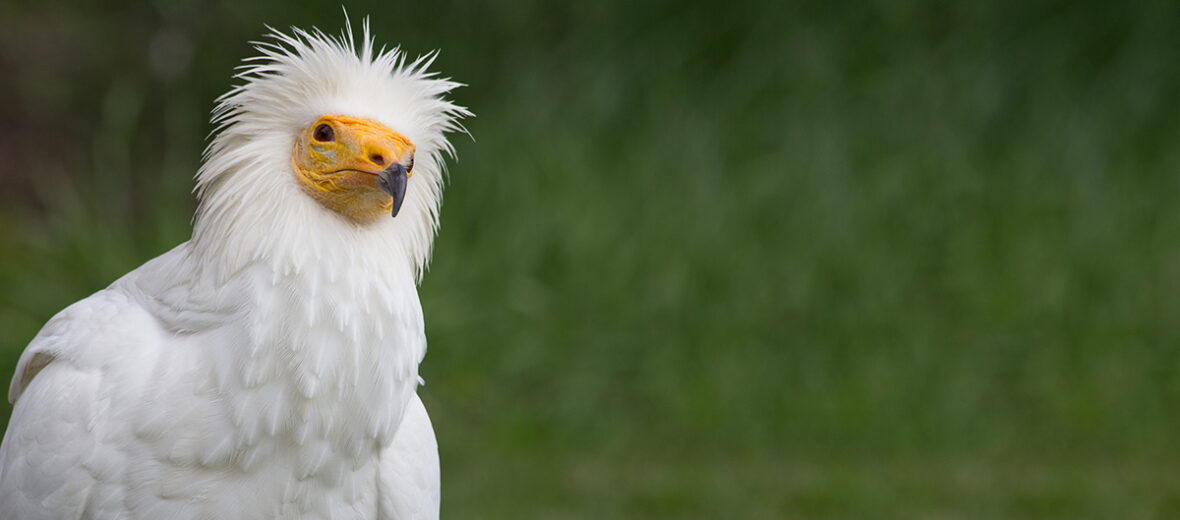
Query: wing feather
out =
(60, 445)
(409, 473)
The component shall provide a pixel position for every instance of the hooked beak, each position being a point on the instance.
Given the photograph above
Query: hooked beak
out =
(392, 180)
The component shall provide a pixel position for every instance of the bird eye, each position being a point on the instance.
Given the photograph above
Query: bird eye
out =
(324, 133)
(410, 164)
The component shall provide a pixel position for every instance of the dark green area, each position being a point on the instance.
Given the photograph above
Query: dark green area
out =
(707, 260)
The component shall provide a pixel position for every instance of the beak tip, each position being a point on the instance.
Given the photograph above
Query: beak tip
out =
(393, 181)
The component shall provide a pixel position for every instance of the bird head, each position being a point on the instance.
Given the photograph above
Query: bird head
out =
(314, 152)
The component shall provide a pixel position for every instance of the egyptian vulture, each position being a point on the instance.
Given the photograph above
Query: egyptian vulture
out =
(268, 367)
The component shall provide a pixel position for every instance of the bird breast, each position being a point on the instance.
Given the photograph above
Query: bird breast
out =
(307, 376)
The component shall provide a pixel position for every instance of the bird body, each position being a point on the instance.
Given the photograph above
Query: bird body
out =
(268, 367)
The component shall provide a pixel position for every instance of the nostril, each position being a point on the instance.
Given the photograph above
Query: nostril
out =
(377, 159)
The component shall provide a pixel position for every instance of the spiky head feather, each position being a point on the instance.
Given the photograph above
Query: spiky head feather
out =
(250, 205)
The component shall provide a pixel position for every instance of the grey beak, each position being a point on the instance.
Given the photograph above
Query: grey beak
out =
(393, 181)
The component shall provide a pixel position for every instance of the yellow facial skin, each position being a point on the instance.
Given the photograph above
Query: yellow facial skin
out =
(338, 161)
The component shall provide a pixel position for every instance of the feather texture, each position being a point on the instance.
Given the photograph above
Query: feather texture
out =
(267, 368)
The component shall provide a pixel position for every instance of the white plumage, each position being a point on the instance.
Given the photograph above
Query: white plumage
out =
(266, 368)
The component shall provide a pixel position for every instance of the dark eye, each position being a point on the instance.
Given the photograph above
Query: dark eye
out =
(324, 133)
(410, 164)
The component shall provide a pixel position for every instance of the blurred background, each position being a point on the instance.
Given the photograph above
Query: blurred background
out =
(893, 259)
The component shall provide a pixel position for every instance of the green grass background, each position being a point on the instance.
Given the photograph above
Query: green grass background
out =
(896, 259)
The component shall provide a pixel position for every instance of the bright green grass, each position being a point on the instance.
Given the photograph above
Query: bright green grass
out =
(878, 261)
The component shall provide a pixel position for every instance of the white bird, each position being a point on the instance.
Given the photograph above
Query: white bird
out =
(268, 367)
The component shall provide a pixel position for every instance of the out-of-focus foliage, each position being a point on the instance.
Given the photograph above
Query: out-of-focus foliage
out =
(709, 259)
